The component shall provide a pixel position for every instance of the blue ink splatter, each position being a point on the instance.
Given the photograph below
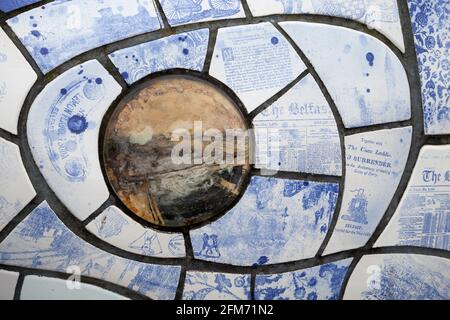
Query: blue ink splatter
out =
(44, 51)
(370, 58)
(77, 124)
(274, 40)
(185, 51)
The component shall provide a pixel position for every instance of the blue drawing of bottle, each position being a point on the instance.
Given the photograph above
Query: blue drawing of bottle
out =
(357, 209)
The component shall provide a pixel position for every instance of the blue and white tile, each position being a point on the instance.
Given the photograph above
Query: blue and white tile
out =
(43, 288)
(42, 241)
(16, 190)
(179, 12)
(380, 15)
(364, 77)
(256, 61)
(216, 286)
(81, 25)
(298, 133)
(185, 50)
(430, 26)
(323, 282)
(375, 164)
(16, 79)
(10, 5)
(63, 132)
(8, 282)
(276, 221)
(116, 228)
(400, 277)
(423, 215)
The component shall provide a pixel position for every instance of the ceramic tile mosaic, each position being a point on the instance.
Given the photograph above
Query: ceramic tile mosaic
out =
(16, 79)
(400, 277)
(10, 5)
(9, 281)
(364, 77)
(179, 12)
(58, 289)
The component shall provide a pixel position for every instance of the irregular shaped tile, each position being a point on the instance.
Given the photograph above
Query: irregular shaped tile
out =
(43, 288)
(216, 286)
(8, 282)
(323, 282)
(81, 25)
(298, 133)
(381, 15)
(180, 12)
(184, 50)
(276, 221)
(16, 79)
(430, 25)
(400, 277)
(42, 241)
(375, 164)
(256, 61)
(16, 190)
(423, 215)
(364, 77)
(118, 229)
(10, 5)
(63, 129)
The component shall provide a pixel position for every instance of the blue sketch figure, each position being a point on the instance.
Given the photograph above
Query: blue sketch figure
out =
(181, 11)
(291, 6)
(210, 247)
(148, 244)
(357, 208)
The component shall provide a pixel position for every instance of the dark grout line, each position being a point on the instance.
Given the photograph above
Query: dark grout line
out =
(253, 285)
(162, 14)
(8, 136)
(19, 285)
(247, 11)
(298, 176)
(210, 51)
(108, 203)
(181, 283)
(378, 127)
(113, 71)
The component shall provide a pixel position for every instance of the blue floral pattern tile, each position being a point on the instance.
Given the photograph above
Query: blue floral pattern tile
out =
(364, 77)
(81, 25)
(8, 282)
(276, 221)
(117, 229)
(42, 241)
(431, 28)
(63, 132)
(184, 50)
(323, 282)
(375, 164)
(400, 277)
(423, 215)
(216, 286)
(298, 133)
(256, 61)
(10, 5)
(180, 12)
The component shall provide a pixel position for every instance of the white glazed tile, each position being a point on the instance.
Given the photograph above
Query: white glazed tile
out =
(16, 79)
(185, 50)
(400, 277)
(298, 133)
(43, 288)
(276, 221)
(116, 228)
(8, 282)
(256, 61)
(216, 286)
(16, 190)
(364, 77)
(63, 132)
(375, 164)
(323, 282)
(423, 215)
(60, 30)
(381, 15)
(179, 12)
(42, 241)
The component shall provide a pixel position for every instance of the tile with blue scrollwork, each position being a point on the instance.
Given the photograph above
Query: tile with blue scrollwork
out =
(216, 286)
(323, 282)
(184, 50)
(277, 220)
(180, 12)
(8, 280)
(423, 215)
(63, 133)
(400, 277)
(42, 241)
(116, 228)
(364, 77)
(431, 29)
(82, 25)
(10, 5)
